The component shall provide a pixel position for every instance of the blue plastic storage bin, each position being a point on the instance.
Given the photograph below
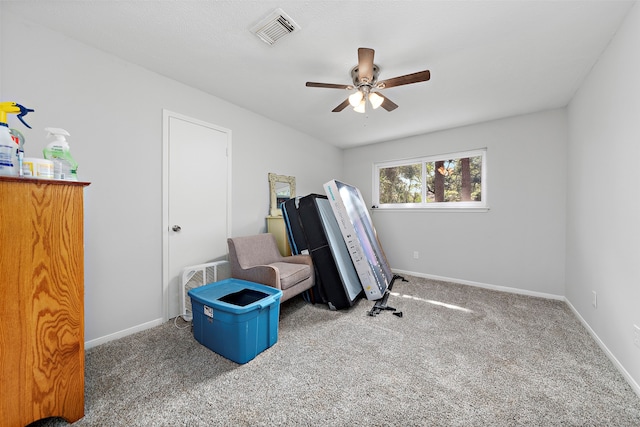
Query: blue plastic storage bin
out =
(235, 318)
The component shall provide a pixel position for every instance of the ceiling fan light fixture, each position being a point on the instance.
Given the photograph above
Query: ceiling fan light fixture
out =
(375, 100)
(365, 81)
(355, 98)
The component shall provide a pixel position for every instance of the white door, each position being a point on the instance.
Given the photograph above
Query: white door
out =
(196, 220)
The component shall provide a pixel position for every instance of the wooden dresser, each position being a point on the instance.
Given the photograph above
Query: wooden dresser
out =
(41, 300)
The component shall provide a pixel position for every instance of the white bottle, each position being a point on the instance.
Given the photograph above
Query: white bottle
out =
(8, 152)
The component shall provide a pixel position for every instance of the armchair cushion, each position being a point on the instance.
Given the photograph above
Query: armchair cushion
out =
(291, 274)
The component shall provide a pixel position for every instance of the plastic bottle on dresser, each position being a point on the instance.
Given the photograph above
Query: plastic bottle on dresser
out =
(18, 138)
(11, 148)
(8, 150)
(64, 166)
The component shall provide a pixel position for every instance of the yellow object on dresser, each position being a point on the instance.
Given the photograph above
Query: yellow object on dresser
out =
(41, 300)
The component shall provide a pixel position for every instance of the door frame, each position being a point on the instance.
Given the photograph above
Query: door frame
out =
(166, 115)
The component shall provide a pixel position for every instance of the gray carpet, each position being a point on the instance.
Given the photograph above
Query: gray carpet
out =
(459, 356)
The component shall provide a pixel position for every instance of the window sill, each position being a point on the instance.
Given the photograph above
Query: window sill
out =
(434, 209)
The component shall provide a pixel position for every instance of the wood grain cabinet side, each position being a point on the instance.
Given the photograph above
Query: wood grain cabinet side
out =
(41, 300)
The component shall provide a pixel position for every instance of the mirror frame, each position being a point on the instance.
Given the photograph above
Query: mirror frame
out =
(273, 179)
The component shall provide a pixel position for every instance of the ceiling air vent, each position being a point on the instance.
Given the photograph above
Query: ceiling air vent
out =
(275, 26)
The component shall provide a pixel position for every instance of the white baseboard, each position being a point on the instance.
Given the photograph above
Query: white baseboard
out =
(482, 285)
(122, 334)
(634, 385)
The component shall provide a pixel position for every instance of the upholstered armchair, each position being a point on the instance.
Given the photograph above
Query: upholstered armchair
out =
(257, 259)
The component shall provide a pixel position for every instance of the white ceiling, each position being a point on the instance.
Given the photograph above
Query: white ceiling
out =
(488, 59)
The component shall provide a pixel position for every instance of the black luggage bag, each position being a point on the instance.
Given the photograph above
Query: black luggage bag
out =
(338, 283)
(298, 244)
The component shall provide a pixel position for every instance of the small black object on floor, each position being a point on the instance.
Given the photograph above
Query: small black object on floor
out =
(381, 304)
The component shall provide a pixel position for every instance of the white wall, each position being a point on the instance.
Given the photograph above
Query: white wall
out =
(603, 199)
(519, 242)
(113, 110)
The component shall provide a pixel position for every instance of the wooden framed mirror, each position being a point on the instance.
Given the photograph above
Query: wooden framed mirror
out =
(281, 188)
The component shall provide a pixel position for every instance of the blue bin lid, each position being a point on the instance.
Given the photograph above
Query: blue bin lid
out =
(211, 293)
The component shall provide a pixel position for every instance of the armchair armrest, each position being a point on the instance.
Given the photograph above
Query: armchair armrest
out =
(299, 259)
(264, 274)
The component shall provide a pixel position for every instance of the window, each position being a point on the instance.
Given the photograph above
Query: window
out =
(455, 180)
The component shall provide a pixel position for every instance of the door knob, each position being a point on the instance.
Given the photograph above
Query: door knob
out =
(176, 228)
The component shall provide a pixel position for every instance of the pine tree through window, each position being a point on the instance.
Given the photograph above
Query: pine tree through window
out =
(448, 181)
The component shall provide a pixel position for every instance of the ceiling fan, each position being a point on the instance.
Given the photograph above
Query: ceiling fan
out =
(365, 81)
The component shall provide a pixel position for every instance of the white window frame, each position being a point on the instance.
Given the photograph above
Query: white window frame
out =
(471, 206)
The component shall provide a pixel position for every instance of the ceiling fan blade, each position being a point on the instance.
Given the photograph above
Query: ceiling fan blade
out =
(365, 65)
(329, 85)
(388, 104)
(341, 106)
(420, 76)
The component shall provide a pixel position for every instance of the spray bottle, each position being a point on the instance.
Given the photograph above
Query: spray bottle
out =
(64, 167)
(10, 149)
